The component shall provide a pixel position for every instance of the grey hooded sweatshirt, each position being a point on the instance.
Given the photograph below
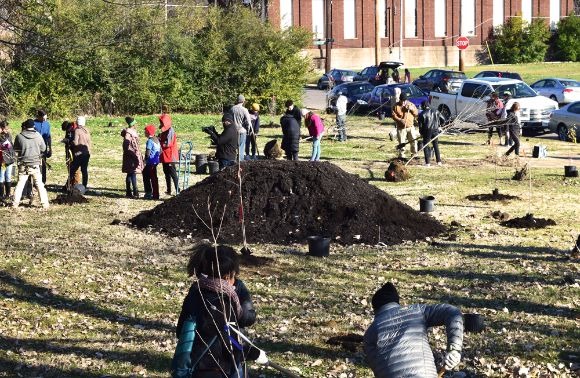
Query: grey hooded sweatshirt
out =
(29, 146)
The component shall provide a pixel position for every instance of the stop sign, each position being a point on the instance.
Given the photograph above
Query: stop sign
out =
(462, 43)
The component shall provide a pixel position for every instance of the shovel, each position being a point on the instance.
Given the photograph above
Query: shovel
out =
(283, 370)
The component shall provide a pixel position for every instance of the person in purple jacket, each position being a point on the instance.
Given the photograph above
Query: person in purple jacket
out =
(315, 130)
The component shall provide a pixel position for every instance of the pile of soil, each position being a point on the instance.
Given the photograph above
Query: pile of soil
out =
(75, 197)
(500, 215)
(397, 171)
(521, 174)
(528, 221)
(287, 201)
(493, 196)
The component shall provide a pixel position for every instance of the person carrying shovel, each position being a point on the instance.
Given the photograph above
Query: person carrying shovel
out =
(396, 343)
(404, 113)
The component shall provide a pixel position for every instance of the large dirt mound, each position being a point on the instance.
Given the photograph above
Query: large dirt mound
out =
(286, 202)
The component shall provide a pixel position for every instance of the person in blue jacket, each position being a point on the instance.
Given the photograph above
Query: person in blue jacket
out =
(396, 343)
(42, 125)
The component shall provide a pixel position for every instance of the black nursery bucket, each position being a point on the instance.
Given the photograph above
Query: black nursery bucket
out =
(570, 171)
(318, 246)
(200, 163)
(213, 166)
(426, 204)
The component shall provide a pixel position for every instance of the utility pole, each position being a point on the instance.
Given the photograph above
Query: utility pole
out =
(328, 32)
(401, 31)
(461, 65)
(377, 33)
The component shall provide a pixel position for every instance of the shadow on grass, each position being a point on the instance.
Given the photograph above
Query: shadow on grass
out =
(511, 304)
(456, 143)
(14, 368)
(508, 251)
(31, 293)
(92, 192)
(497, 277)
(148, 359)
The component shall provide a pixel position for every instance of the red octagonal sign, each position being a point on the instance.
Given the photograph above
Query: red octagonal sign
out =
(462, 43)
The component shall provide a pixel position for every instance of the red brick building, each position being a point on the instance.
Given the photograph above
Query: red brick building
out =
(418, 32)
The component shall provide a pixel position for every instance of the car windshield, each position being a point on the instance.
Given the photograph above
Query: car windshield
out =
(517, 90)
(412, 91)
(346, 73)
(358, 89)
(570, 83)
(456, 75)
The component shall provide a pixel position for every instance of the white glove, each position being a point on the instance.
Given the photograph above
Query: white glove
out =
(262, 358)
(452, 359)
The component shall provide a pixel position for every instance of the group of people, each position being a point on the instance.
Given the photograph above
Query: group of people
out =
(238, 140)
(505, 121)
(30, 150)
(218, 306)
(429, 121)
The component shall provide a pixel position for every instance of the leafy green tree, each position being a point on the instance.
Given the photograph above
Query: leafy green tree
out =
(72, 56)
(568, 38)
(517, 41)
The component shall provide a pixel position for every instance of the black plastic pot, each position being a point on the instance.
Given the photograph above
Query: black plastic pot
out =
(473, 323)
(213, 166)
(426, 204)
(570, 171)
(201, 163)
(318, 246)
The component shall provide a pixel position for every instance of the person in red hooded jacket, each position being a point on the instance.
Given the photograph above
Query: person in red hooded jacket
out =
(169, 152)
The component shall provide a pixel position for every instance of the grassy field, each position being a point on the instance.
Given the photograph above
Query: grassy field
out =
(81, 296)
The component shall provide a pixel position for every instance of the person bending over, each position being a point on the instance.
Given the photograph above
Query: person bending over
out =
(396, 343)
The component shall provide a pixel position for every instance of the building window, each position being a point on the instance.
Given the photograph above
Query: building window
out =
(440, 18)
(285, 14)
(410, 18)
(383, 19)
(467, 26)
(498, 15)
(318, 19)
(554, 13)
(349, 19)
(527, 10)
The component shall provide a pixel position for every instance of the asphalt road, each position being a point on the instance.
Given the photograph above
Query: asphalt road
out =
(314, 98)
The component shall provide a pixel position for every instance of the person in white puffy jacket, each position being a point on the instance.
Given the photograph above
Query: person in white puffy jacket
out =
(396, 344)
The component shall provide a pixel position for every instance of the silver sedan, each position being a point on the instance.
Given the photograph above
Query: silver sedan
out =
(566, 121)
(564, 91)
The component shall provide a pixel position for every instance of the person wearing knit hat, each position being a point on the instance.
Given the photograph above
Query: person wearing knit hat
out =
(81, 150)
(29, 147)
(251, 139)
(132, 158)
(396, 343)
(152, 153)
(227, 142)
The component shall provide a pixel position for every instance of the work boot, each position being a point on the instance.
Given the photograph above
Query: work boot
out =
(7, 188)
(135, 193)
(128, 194)
(2, 191)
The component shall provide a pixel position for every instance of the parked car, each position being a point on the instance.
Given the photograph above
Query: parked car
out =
(563, 120)
(438, 78)
(335, 77)
(504, 74)
(564, 91)
(353, 91)
(470, 102)
(378, 75)
(381, 99)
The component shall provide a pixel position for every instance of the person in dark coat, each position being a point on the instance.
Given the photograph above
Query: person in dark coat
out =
(513, 126)
(291, 135)
(227, 142)
(294, 110)
(429, 121)
(396, 343)
(217, 301)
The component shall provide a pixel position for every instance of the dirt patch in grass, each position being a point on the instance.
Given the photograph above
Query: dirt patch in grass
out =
(494, 196)
(529, 221)
(70, 199)
(286, 202)
(252, 260)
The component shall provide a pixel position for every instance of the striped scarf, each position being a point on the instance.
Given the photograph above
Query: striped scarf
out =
(217, 285)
